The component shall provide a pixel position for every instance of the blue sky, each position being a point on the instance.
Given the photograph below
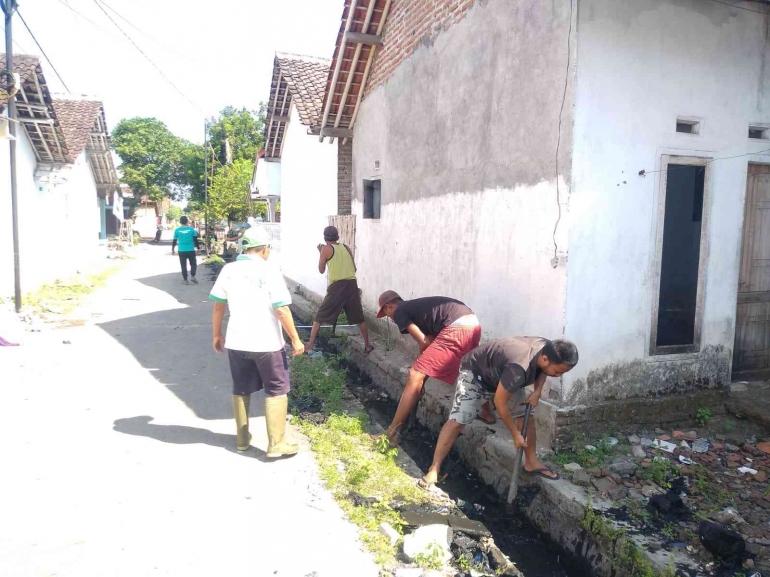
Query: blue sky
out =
(217, 53)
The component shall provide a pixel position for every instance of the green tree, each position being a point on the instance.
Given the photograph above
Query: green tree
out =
(243, 128)
(229, 193)
(151, 157)
(174, 213)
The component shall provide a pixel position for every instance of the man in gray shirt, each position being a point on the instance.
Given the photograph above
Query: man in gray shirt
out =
(500, 370)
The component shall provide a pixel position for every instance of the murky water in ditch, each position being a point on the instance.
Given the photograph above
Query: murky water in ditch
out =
(532, 551)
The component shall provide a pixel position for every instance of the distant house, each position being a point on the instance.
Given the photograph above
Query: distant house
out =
(598, 169)
(294, 164)
(266, 185)
(65, 178)
(148, 214)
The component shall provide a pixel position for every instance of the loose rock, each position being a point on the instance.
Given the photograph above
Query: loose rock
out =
(634, 440)
(389, 532)
(421, 540)
(624, 469)
(638, 452)
(700, 446)
(728, 516)
(581, 478)
(572, 467)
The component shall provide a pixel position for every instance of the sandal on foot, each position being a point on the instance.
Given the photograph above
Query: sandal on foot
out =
(369, 350)
(541, 473)
(423, 484)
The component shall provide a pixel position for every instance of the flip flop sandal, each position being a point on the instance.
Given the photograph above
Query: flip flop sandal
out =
(367, 351)
(423, 484)
(539, 473)
(491, 421)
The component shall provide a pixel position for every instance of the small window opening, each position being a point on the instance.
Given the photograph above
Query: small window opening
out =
(759, 132)
(687, 126)
(681, 255)
(372, 195)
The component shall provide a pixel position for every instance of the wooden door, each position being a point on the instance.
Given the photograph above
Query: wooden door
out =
(751, 357)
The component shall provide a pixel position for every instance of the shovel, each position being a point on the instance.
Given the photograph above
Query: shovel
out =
(517, 463)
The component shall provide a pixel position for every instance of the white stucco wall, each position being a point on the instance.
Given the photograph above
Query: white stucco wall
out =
(26, 191)
(308, 197)
(465, 131)
(58, 224)
(639, 66)
(268, 178)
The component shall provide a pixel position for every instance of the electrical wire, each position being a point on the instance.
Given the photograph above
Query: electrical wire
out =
(166, 78)
(558, 138)
(681, 166)
(739, 7)
(42, 51)
(142, 32)
(19, 46)
(84, 17)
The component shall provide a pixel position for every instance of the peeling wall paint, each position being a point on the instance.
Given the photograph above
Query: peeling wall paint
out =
(710, 369)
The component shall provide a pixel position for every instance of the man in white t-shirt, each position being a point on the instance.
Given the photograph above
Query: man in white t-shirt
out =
(258, 299)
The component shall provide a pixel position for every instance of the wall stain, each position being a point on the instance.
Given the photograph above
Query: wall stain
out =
(638, 378)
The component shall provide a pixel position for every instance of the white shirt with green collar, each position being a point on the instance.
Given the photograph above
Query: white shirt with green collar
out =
(252, 288)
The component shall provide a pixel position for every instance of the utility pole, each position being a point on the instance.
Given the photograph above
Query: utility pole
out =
(206, 182)
(9, 7)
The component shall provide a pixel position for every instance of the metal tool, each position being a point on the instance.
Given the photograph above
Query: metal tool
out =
(518, 462)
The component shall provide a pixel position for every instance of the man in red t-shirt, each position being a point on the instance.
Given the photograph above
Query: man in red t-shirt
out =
(445, 330)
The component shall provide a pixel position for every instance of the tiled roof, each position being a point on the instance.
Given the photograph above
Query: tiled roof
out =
(306, 78)
(34, 109)
(76, 118)
(297, 79)
(25, 66)
(353, 61)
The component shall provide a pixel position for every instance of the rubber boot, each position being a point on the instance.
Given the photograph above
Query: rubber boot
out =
(275, 417)
(241, 412)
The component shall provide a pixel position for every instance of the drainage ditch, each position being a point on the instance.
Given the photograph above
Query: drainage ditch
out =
(533, 552)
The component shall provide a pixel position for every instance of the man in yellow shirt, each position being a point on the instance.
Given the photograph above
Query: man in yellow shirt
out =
(342, 292)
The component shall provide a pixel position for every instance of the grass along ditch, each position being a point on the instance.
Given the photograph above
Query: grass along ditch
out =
(336, 408)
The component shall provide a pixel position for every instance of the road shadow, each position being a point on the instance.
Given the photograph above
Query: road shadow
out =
(141, 426)
(175, 347)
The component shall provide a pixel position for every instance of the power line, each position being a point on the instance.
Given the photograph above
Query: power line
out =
(19, 46)
(142, 32)
(42, 51)
(166, 78)
(81, 15)
(680, 166)
(739, 7)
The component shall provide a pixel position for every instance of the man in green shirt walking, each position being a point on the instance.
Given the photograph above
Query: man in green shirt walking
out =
(188, 240)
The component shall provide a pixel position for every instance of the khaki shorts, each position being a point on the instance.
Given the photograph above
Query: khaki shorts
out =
(342, 294)
(470, 395)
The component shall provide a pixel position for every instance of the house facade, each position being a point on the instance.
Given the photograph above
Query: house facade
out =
(304, 173)
(593, 169)
(64, 174)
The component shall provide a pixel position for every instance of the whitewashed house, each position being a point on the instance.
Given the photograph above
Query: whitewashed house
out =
(65, 180)
(598, 169)
(296, 167)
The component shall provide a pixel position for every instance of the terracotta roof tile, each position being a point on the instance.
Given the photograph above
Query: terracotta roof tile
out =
(306, 79)
(25, 66)
(76, 118)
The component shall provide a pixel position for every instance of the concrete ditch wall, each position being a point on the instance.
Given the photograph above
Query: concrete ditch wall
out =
(559, 507)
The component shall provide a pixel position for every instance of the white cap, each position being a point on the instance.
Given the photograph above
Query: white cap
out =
(254, 237)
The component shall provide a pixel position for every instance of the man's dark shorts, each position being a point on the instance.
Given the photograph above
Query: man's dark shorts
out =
(340, 295)
(254, 371)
